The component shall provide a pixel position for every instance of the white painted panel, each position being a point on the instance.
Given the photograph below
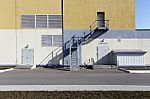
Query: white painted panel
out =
(7, 47)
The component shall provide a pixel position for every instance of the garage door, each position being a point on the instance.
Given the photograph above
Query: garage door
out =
(130, 60)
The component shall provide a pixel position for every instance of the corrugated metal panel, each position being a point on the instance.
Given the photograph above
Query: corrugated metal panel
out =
(46, 40)
(28, 21)
(41, 21)
(57, 40)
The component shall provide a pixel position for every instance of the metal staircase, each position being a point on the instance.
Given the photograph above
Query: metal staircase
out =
(72, 47)
(74, 53)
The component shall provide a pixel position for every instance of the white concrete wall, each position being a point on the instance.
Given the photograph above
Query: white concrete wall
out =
(31, 37)
(7, 47)
(90, 51)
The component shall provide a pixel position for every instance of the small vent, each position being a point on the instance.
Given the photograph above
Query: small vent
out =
(41, 21)
(55, 21)
(28, 21)
(46, 40)
(57, 40)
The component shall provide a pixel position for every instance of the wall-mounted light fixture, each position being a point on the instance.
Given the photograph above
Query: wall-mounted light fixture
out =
(119, 39)
(27, 46)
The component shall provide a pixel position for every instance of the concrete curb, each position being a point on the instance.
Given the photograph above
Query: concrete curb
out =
(135, 71)
(124, 70)
(1, 71)
(73, 88)
(139, 71)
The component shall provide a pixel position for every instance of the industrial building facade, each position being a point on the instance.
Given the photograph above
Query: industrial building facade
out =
(36, 32)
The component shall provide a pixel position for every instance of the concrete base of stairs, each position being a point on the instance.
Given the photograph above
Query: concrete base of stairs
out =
(105, 67)
(25, 67)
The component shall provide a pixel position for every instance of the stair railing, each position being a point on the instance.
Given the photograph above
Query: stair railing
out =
(56, 51)
(71, 42)
(99, 24)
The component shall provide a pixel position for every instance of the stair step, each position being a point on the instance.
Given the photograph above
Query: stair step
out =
(105, 67)
(23, 66)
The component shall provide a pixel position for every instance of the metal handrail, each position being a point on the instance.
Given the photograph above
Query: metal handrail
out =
(96, 23)
(93, 26)
(50, 54)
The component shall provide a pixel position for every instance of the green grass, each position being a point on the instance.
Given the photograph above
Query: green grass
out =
(74, 95)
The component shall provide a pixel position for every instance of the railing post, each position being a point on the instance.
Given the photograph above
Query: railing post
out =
(90, 29)
(70, 56)
(84, 36)
(52, 55)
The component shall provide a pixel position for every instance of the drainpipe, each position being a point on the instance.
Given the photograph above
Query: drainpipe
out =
(62, 11)
(16, 29)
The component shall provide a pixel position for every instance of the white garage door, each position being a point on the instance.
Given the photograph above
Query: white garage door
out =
(130, 60)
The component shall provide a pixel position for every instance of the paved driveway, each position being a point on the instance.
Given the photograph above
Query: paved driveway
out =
(56, 77)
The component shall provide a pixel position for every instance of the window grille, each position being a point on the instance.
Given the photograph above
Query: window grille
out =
(41, 21)
(46, 40)
(57, 40)
(28, 21)
(55, 21)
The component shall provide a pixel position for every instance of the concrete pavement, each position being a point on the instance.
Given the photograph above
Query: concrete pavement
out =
(56, 77)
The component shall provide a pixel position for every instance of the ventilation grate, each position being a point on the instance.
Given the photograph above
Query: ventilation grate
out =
(46, 40)
(57, 40)
(41, 21)
(28, 21)
(55, 21)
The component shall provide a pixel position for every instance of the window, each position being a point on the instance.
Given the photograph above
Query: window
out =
(55, 21)
(41, 21)
(51, 40)
(46, 40)
(27, 21)
(57, 40)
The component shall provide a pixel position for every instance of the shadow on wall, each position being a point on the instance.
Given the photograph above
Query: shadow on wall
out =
(57, 58)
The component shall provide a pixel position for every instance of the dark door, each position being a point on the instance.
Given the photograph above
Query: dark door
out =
(101, 19)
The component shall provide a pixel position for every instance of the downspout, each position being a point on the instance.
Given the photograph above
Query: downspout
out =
(62, 11)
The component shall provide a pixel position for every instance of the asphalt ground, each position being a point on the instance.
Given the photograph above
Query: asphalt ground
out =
(84, 77)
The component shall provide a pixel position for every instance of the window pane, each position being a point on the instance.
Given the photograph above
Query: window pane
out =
(41, 21)
(46, 40)
(57, 40)
(28, 21)
(55, 21)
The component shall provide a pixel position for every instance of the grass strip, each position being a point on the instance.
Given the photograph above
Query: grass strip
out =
(74, 95)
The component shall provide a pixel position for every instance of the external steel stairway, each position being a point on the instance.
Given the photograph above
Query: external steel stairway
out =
(72, 47)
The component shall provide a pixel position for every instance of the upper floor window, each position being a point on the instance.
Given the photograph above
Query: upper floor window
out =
(41, 21)
(28, 21)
